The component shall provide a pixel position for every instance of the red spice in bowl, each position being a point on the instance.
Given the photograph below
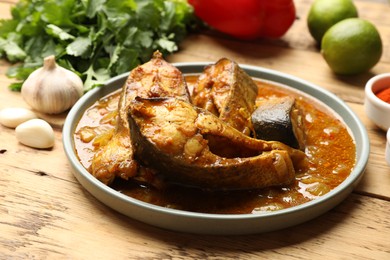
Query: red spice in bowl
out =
(384, 94)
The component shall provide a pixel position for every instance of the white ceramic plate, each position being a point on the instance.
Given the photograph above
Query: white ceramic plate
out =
(221, 223)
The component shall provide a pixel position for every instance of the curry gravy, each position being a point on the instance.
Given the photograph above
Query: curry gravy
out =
(330, 150)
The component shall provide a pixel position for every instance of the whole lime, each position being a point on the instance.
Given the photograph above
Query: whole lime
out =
(351, 46)
(325, 13)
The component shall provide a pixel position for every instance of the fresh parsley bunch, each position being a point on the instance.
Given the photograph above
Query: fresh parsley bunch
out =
(95, 38)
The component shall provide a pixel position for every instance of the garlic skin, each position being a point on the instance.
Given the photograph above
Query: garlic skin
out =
(52, 89)
(36, 133)
(13, 116)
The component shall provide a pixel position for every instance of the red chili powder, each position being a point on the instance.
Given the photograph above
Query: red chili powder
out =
(384, 95)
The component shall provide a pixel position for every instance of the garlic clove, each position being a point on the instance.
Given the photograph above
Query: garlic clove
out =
(13, 116)
(35, 133)
(52, 89)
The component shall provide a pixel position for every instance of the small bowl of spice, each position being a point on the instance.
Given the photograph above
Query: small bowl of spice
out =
(377, 100)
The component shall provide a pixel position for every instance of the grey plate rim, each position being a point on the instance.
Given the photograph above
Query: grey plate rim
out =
(221, 224)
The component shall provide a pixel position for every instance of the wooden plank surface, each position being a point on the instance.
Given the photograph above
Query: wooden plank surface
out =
(46, 214)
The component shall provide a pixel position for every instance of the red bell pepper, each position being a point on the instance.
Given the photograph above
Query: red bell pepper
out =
(247, 19)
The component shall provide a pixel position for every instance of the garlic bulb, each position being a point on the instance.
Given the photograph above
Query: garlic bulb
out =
(52, 89)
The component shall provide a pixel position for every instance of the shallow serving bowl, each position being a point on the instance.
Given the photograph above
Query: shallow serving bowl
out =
(221, 223)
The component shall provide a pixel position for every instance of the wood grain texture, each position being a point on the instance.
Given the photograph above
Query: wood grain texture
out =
(46, 214)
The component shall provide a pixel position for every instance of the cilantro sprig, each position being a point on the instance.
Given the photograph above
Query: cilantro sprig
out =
(95, 38)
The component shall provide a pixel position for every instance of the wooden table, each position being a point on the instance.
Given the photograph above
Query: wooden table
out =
(46, 214)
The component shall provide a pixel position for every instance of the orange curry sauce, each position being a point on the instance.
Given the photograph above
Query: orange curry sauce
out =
(329, 147)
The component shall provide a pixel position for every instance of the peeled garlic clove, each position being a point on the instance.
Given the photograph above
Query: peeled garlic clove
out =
(35, 133)
(14, 116)
(52, 89)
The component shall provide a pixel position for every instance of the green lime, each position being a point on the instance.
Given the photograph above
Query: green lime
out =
(325, 13)
(351, 46)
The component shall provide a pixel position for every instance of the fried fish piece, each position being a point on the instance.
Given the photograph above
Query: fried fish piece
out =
(156, 78)
(171, 135)
(228, 92)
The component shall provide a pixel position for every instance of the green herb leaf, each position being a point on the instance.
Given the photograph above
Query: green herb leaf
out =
(59, 33)
(79, 46)
(95, 78)
(12, 50)
(94, 6)
(16, 86)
